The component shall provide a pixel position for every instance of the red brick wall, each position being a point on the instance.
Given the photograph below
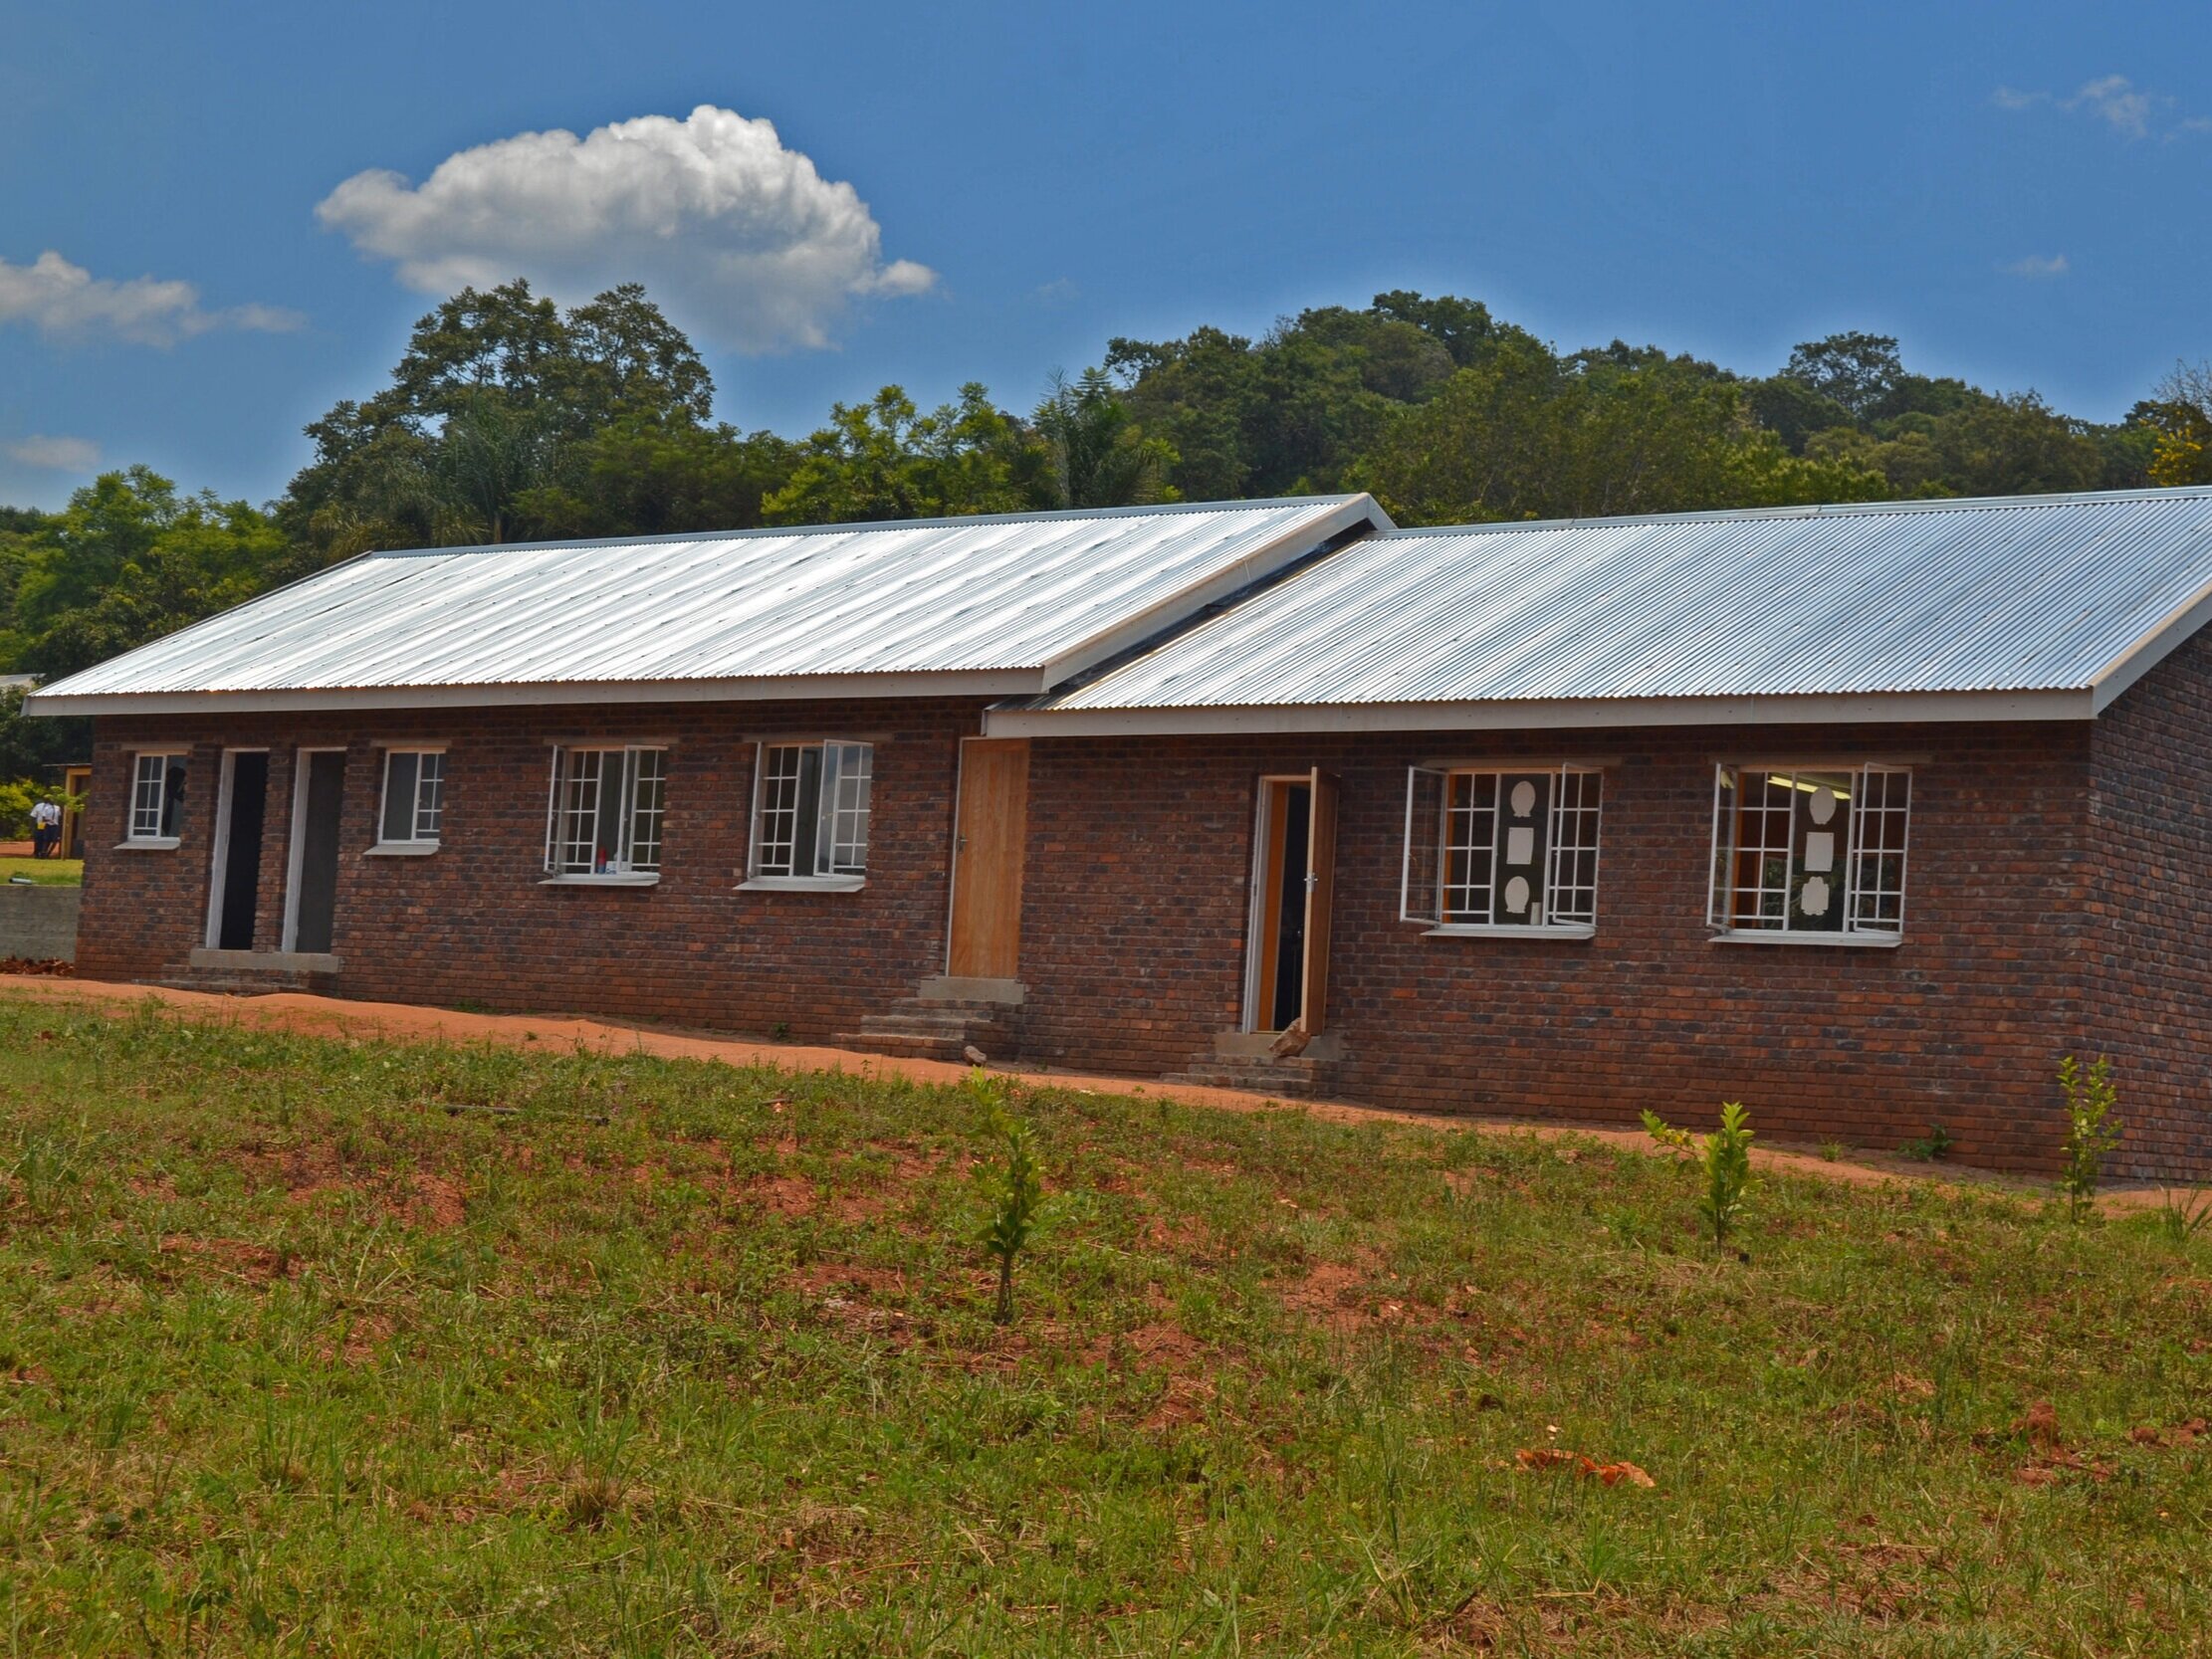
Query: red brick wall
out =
(471, 922)
(1138, 893)
(2148, 882)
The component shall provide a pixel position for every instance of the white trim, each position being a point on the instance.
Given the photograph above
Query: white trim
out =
(1563, 714)
(296, 856)
(1477, 930)
(400, 849)
(801, 884)
(1025, 681)
(2151, 648)
(152, 844)
(428, 843)
(631, 879)
(1847, 942)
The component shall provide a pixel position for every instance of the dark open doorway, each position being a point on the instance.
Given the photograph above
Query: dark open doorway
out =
(319, 807)
(235, 901)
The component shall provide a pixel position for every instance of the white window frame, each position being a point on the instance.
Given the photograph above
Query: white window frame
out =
(640, 764)
(159, 838)
(1861, 881)
(844, 815)
(419, 842)
(1431, 911)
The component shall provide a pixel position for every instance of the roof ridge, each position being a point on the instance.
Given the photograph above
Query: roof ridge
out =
(1822, 510)
(941, 522)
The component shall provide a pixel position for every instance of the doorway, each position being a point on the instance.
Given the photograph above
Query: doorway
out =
(241, 813)
(1293, 887)
(990, 835)
(317, 807)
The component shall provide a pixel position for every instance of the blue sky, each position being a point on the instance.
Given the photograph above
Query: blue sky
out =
(2018, 192)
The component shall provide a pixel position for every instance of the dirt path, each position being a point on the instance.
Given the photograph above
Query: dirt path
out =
(338, 1017)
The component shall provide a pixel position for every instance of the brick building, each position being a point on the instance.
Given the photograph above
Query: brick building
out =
(1861, 815)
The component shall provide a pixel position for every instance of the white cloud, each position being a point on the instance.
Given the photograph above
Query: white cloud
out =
(2116, 100)
(2037, 264)
(67, 302)
(54, 454)
(735, 234)
(2113, 100)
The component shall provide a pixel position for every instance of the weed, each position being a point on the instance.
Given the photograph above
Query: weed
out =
(1724, 1158)
(780, 1032)
(2183, 1213)
(2090, 1129)
(1830, 1151)
(1013, 1215)
(1927, 1148)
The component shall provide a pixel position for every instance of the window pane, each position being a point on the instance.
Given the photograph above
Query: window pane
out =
(1574, 867)
(846, 808)
(1877, 854)
(146, 795)
(1761, 811)
(1424, 826)
(808, 813)
(1470, 836)
(648, 798)
(778, 812)
(399, 796)
(430, 798)
(1819, 836)
(577, 840)
(172, 793)
(606, 828)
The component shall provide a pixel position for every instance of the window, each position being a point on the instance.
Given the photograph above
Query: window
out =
(414, 797)
(1502, 849)
(605, 818)
(811, 812)
(157, 797)
(1816, 852)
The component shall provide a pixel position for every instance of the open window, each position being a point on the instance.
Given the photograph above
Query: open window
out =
(1502, 851)
(810, 807)
(1810, 853)
(604, 824)
(157, 799)
(413, 812)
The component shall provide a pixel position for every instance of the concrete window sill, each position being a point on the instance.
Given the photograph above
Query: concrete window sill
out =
(634, 880)
(1847, 942)
(151, 844)
(804, 883)
(1477, 930)
(400, 849)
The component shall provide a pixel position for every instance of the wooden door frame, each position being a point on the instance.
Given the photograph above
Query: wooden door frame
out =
(1263, 847)
(218, 876)
(952, 849)
(297, 855)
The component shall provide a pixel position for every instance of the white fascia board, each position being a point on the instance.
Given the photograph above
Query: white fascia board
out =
(1871, 709)
(1263, 560)
(767, 689)
(2153, 648)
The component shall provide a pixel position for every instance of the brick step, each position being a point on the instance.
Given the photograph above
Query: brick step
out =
(925, 1025)
(239, 984)
(1260, 1077)
(907, 1045)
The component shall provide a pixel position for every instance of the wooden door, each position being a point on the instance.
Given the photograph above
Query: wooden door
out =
(1320, 890)
(989, 843)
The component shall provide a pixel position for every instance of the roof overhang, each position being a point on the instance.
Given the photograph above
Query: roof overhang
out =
(978, 683)
(1505, 714)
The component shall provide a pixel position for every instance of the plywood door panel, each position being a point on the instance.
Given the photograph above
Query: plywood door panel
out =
(989, 842)
(1320, 890)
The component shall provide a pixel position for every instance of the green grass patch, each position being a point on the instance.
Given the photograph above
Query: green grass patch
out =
(45, 872)
(359, 1349)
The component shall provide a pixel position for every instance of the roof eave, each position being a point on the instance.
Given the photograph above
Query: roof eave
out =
(1507, 715)
(977, 682)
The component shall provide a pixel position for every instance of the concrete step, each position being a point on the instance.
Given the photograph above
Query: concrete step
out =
(924, 1025)
(907, 1045)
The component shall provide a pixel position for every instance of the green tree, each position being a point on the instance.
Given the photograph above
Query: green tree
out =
(1854, 370)
(1099, 456)
(886, 460)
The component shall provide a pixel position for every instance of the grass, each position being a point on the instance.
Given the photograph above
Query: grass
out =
(45, 872)
(348, 1349)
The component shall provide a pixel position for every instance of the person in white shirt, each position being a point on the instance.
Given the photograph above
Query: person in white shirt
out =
(46, 829)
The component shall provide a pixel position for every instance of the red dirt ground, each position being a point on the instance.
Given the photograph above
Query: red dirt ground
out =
(333, 1016)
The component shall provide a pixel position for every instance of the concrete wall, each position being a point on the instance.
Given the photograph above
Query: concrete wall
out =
(38, 923)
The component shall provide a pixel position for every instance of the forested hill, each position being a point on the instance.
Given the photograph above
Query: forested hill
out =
(510, 419)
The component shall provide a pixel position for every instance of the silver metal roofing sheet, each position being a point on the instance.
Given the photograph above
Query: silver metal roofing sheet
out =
(1009, 593)
(2028, 593)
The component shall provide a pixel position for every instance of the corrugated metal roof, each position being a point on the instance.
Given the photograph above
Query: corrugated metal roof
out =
(1017, 600)
(2030, 593)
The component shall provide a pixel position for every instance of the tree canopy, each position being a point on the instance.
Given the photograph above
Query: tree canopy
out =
(508, 418)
